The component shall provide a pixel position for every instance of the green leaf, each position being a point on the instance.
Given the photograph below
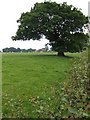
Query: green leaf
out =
(64, 99)
(85, 114)
(72, 110)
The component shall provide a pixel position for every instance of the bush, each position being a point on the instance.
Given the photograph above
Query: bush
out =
(74, 98)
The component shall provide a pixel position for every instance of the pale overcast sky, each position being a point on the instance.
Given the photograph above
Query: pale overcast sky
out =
(10, 11)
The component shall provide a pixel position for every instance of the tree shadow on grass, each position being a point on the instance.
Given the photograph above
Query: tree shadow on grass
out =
(53, 55)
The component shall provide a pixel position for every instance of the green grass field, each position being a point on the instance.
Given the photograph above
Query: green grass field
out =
(31, 76)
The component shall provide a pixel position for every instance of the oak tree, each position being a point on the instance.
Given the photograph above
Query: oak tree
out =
(62, 24)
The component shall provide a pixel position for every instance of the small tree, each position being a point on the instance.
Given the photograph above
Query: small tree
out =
(61, 24)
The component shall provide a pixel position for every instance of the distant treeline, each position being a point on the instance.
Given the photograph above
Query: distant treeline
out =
(12, 49)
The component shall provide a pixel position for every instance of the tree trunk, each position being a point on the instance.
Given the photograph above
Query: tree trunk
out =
(61, 53)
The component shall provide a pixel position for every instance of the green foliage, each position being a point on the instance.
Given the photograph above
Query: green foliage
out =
(61, 24)
(73, 98)
(76, 100)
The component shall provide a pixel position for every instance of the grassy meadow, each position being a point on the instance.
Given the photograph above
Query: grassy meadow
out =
(29, 79)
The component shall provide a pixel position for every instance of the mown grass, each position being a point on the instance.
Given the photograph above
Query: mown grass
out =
(31, 76)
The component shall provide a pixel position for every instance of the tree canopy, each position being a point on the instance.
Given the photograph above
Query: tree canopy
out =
(63, 25)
